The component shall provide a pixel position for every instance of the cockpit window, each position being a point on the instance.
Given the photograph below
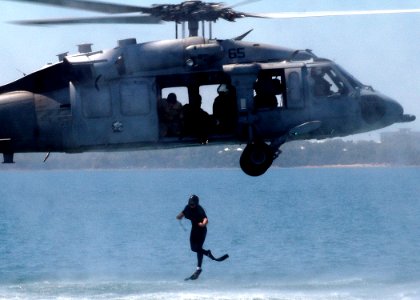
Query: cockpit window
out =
(356, 84)
(325, 82)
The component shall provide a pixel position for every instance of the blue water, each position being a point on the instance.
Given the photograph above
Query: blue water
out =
(306, 233)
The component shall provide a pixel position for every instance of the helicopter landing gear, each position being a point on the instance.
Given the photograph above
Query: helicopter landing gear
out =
(257, 158)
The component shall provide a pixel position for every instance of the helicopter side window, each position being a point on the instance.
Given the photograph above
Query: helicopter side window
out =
(325, 82)
(269, 92)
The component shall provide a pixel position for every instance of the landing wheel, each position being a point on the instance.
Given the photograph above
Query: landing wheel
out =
(256, 159)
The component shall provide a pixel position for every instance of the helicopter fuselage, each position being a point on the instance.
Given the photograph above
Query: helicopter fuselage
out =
(110, 100)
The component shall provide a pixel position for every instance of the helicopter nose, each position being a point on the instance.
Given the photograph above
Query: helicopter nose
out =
(382, 111)
(395, 112)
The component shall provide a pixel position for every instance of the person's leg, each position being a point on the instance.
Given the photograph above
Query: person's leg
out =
(197, 239)
(199, 259)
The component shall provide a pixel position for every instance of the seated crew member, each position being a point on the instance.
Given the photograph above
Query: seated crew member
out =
(170, 116)
(321, 87)
(196, 122)
(224, 108)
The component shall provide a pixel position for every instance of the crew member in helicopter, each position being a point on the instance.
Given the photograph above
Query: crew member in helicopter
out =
(170, 110)
(195, 121)
(265, 92)
(224, 108)
(321, 87)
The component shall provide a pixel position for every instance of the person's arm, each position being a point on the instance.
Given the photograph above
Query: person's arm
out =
(180, 215)
(204, 222)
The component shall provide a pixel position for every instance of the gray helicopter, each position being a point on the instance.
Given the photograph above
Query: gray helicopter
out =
(114, 99)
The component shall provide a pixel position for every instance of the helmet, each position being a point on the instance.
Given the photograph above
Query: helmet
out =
(316, 72)
(171, 98)
(193, 200)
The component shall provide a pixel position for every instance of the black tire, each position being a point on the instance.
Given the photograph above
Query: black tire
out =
(256, 159)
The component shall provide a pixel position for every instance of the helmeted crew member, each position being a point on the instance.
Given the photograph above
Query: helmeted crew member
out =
(196, 121)
(224, 108)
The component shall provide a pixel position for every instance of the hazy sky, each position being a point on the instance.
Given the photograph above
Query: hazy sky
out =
(382, 51)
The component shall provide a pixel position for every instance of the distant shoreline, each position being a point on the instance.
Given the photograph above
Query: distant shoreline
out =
(336, 166)
(353, 166)
(333, 153)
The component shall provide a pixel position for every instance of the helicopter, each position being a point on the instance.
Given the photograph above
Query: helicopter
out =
(113, 100)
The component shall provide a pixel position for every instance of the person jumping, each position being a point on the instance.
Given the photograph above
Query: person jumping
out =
(197, 215)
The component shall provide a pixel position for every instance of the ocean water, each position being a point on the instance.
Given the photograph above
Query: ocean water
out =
(304, 233)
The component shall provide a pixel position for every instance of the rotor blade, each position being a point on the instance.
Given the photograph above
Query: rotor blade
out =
(249, 15)
(120, 19)
(97, 6)
(290, 15)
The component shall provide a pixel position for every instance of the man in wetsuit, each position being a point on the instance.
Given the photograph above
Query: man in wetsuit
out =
(196, 214)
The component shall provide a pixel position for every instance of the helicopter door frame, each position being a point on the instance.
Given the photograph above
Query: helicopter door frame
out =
(243, 78)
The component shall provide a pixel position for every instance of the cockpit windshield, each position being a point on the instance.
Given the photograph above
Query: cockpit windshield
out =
(356, 84)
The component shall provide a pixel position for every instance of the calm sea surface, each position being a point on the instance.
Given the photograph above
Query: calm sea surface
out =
(309, 233)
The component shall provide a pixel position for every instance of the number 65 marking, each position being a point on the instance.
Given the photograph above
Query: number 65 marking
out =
(236, 53)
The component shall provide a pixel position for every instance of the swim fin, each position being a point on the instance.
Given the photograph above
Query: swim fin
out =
(222, 258)
(195, 275)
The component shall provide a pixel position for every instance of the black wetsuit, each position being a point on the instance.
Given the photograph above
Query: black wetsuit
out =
(198, 234)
